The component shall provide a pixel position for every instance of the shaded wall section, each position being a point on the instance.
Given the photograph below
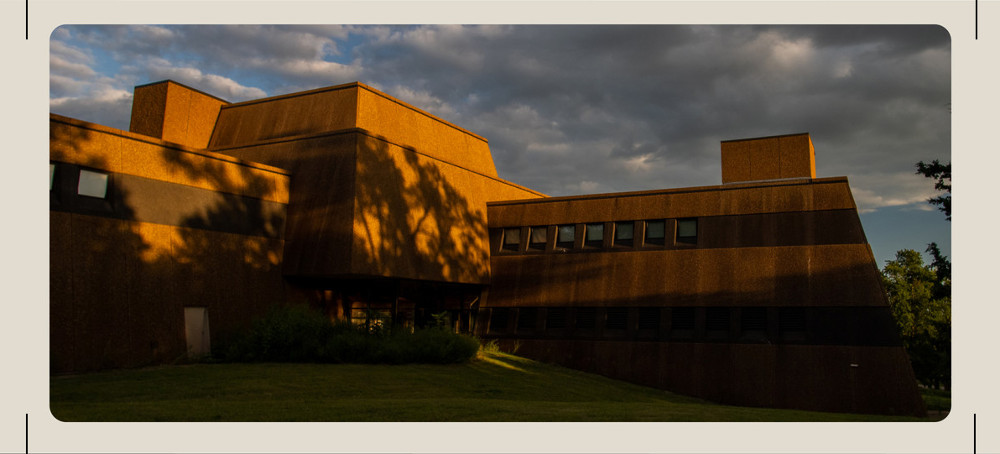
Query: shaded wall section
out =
(178, 228)
(771, 298)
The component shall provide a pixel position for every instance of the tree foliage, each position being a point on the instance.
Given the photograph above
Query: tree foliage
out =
(920, 299)
(939, 172)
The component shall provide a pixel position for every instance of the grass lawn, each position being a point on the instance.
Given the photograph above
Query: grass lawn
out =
(496, 387)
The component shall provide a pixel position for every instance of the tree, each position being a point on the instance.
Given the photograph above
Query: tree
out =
(920, 300)
(939, 172)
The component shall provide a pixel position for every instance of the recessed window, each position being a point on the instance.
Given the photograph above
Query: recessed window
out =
(555, 318)
(655, 232)
(498, 320)
(753, 323)
(682, 322)
(566, 236)
(595, 235)
(617, 318)
(687, 231)
(717, 319)
(93, 184)
(539, 236)
(526, 318)
(791, 323)
(586, 318)
(624, 233)
(512, 239)
(649, 318)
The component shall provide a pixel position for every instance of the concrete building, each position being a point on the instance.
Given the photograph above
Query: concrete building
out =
(177, 233)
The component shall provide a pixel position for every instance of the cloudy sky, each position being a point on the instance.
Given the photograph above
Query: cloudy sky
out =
(582, 109)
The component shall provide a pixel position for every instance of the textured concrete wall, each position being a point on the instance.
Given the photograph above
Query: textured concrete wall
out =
(407, 126)
(768, 245)
(364, 206)
(838, 378)
(768, 158)
(174, 113)
(300, 114)
(122, 271)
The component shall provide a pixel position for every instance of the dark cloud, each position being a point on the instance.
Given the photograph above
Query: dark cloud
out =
(579, 108)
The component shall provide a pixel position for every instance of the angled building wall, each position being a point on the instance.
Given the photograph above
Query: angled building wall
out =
(761, 293)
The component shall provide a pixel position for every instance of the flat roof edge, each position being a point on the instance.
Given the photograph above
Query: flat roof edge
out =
(725, 187)
(166, 144)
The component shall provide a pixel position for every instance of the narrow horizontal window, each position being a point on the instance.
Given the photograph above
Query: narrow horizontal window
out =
(624, 233)
(655, 232)
(595, 235)
(512, 239)
(717, 319)
(539, 236)
(498, 320)
(753, 319)
(93, 184)
(649, 318)
(682, 318)
(526, 318)
(586, 318)
(753, 324)
(687, 231)
(566, 236)
(617, 318)
(555, 318)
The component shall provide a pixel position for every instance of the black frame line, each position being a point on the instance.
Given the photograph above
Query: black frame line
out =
(25, 20)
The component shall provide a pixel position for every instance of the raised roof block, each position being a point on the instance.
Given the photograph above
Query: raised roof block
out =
(175, 113)
(768, 158)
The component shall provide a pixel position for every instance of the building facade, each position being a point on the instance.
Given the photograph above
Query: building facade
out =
(177, 233)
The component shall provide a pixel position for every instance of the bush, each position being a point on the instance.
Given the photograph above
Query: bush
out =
(297, 334)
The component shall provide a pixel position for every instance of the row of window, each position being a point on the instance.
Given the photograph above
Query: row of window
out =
(650, 233)
(747, 324)
(90, 183)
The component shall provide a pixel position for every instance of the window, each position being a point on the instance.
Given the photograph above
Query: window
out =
(649, 318)
(93, 184)
(682, 321)
(538, 237)
(498, 320)
(655, 232)
(791, 323)
(717, 319)
(52, 175)
(687, 231)
(617, 318)
(753, 324)
(595, 235)
(586, 317)
(555, 318)
(566, 236)
(624, 233)
(512, 239)
(717, 323)
(526, 318)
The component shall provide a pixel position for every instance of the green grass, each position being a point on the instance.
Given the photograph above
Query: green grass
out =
(497, 387)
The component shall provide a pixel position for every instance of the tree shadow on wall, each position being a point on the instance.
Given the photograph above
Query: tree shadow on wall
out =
(413, 220)
(120, 277)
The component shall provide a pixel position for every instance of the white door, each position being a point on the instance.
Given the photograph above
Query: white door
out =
(196, 331)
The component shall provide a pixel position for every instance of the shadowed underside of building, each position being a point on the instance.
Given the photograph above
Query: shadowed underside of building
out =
(176, 234)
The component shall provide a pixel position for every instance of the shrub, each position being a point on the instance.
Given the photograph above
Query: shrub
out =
(297, 334)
